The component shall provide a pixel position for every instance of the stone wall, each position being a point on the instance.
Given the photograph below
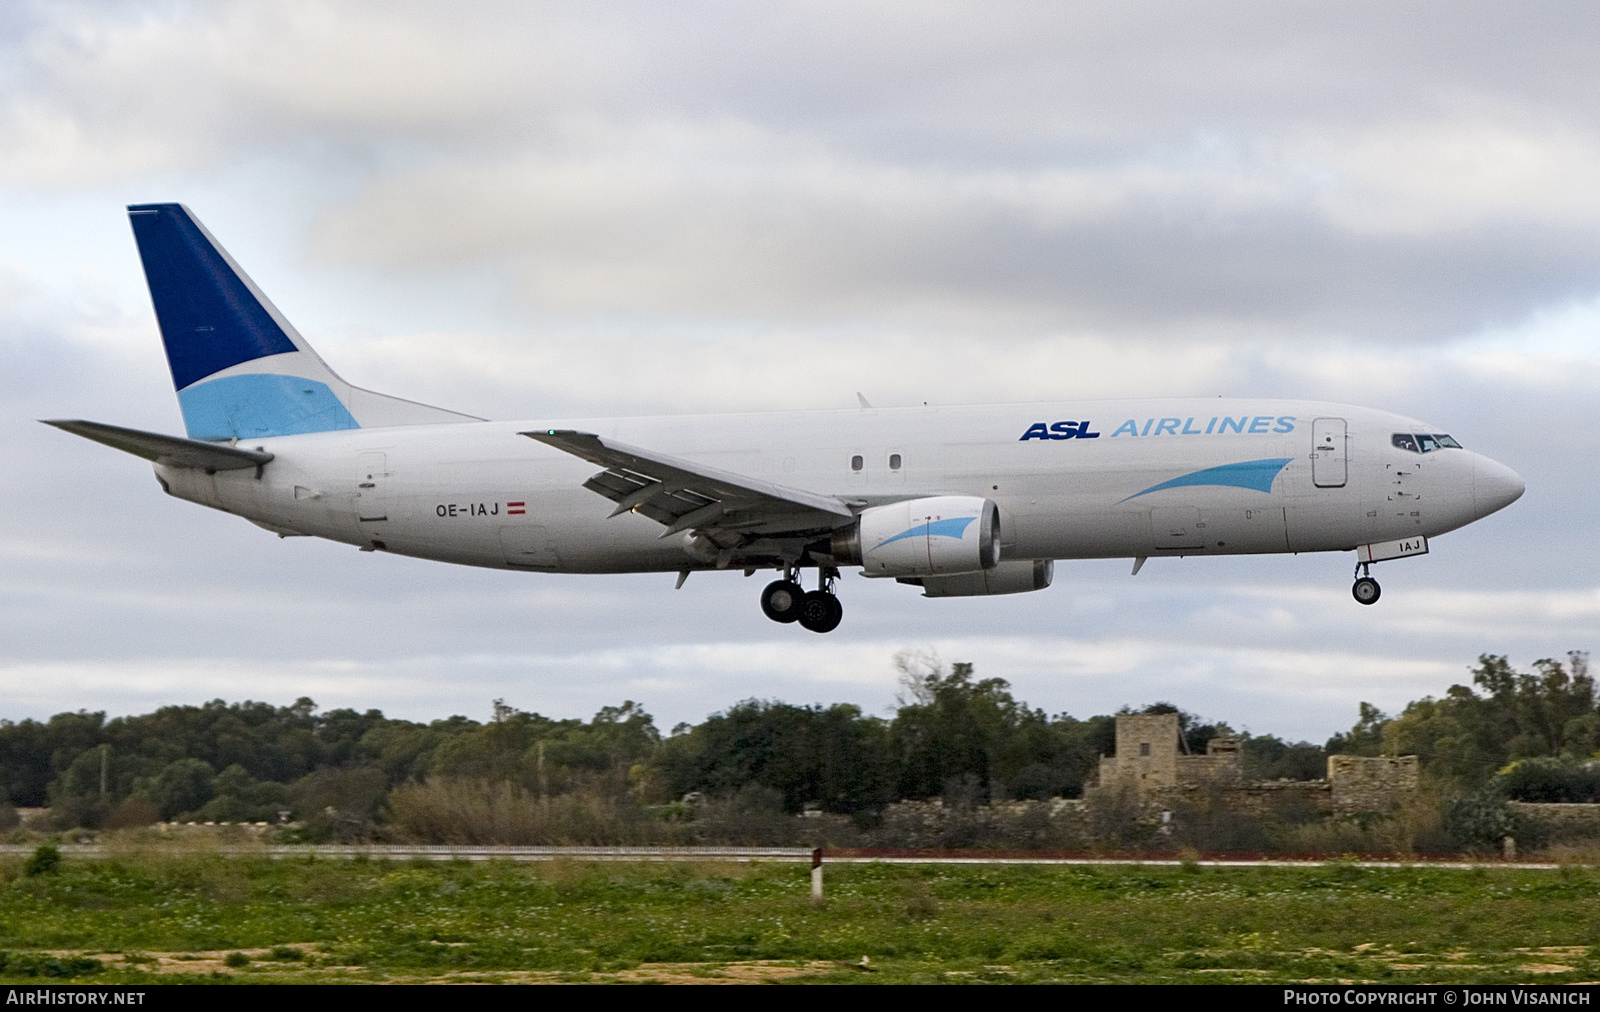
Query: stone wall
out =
(1371, 784)
(1216, 768)
(1264, 797)
(1147, 761)
(1566, 823)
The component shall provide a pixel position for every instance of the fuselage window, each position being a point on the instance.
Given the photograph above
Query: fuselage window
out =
(1424, 442)
(857, 463)
(894, 462)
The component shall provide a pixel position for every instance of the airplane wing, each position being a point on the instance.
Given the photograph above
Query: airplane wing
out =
(682, 494)
(166, 449)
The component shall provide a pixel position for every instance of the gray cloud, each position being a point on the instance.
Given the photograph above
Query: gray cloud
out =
(1285, 170)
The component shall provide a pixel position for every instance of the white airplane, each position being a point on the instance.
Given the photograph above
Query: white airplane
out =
(960, 501)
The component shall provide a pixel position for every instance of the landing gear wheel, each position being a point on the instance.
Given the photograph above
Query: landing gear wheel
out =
(820, 612)
(1366, 590)
(781, 600)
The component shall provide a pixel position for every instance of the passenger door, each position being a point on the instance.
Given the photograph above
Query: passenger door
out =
(1329, 449)
(371, 485)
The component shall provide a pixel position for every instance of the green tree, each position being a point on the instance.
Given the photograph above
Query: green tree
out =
(239, 797)
(1365, 738)
(831, 756)
(1268, 757)
(1469, 733)
(181, 788)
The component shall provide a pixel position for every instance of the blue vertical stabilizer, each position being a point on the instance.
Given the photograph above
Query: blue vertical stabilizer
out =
(241, 370)
(210, 317)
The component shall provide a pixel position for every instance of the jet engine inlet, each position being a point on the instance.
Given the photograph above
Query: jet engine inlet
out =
(933, 536)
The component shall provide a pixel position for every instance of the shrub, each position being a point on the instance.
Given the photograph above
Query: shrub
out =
(462, 811)
(44, 861)
(1483, 821)
(339, 804)
(1548, 780)
(42, 964)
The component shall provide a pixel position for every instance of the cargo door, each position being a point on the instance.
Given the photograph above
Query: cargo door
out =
(1329, 449)
(1175, 527)
(372, 481)
(528, 546)
(1234, 530)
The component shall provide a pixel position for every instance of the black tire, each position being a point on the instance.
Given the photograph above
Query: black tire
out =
(820, 612)
(1366, 590)
(781, 600)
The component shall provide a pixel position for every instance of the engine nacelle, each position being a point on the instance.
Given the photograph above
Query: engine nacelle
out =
(1017, 576)
(934, 536)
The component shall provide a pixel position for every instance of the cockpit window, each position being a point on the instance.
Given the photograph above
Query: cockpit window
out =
(1423, 442)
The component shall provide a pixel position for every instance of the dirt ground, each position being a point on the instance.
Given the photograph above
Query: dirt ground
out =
(271, 962)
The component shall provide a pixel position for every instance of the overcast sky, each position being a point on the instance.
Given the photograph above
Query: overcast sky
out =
(583, 210)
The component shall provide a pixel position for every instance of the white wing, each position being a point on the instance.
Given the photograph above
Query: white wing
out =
(684, 495)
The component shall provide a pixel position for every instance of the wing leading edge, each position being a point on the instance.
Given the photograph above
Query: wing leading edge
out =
(684, 495)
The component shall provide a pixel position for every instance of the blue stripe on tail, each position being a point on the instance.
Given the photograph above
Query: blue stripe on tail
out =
(259, 405)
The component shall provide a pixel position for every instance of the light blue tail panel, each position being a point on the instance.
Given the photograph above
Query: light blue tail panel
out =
(261, 404)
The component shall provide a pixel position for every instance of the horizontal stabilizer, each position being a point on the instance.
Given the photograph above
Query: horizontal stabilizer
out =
(166, 449)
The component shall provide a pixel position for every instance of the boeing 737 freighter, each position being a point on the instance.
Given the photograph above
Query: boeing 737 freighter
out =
(960, 501)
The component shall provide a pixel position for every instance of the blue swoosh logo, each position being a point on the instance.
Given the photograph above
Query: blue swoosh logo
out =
(950, 527)
(1256, 475)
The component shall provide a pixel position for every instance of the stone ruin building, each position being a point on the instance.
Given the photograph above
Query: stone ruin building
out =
(1150, 763)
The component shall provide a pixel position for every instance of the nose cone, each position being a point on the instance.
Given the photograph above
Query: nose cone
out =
(1494, 486)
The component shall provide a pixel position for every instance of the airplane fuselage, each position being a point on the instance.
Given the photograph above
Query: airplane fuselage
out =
(1071, 480)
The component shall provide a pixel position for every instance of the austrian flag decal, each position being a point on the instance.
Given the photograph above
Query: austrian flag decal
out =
(516, 507)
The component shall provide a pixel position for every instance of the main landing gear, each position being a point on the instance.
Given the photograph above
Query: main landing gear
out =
(786, 601)
(1366, 589)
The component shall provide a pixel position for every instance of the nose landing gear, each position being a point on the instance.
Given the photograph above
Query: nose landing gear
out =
(1366, 589)
(786, 601)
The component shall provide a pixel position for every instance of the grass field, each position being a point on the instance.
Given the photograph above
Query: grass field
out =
(169, 917)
